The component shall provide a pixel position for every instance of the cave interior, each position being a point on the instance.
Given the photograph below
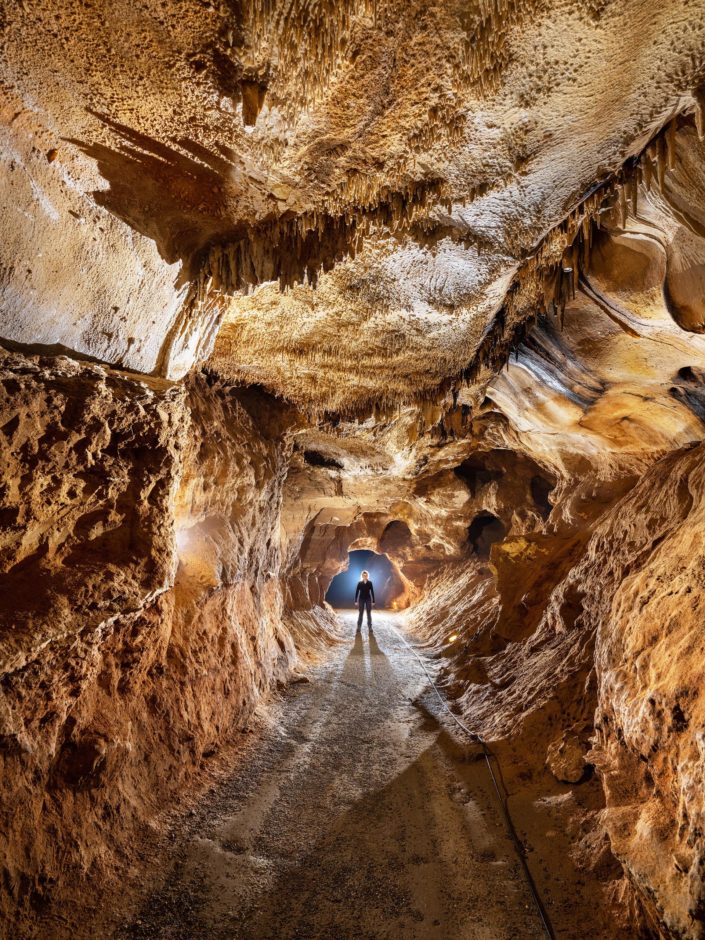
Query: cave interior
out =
(291, 289)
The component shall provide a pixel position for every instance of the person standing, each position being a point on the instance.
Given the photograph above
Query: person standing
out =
(365, 598)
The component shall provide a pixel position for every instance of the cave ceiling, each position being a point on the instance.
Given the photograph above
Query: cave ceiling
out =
(332, 200)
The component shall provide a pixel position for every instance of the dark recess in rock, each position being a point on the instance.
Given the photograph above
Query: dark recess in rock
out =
(483, 532)
(316, 459)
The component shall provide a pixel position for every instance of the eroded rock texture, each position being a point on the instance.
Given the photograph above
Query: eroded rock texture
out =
(405, 157)
(141, 610)
(593, 611)
(282, 280)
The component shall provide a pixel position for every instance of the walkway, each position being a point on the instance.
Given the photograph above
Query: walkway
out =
(357, 815)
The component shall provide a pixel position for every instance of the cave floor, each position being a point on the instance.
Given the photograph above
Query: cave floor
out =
(357, 814)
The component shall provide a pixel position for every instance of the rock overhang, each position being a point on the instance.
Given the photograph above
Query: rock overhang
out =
(418, 152)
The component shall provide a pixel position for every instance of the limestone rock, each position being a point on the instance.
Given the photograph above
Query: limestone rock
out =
(279, 280)
(138, 183)
(141, 615)
(566, 758)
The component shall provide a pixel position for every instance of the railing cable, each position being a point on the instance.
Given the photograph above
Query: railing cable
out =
(499, 786)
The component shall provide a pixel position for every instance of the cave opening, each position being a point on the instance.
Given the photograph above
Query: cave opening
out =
(476, 473)
(541, 490)
(484, 530)
(341, 591)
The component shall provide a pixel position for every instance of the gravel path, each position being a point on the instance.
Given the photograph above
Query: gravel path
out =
(356, 815)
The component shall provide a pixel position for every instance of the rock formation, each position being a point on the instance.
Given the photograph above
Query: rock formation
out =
(142, 605)
(283, 280)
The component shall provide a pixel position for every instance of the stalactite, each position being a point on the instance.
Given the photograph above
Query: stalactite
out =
(297, 249)
(486, 50)
(648, 169)
(634, 194)
(309, 38)
(623, 209)
(549, 278)
(670, 139)
(661, 160)
(699, 96)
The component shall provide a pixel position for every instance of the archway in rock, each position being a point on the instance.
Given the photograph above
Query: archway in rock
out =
(386, 581)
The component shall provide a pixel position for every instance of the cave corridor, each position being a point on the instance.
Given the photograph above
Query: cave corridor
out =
(294, 288)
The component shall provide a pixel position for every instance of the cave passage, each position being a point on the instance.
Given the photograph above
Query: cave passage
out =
(341, 593)
(357, 814)
(293, 289)
(484, 530)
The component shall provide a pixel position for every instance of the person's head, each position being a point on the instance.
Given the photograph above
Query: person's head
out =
(365, 575)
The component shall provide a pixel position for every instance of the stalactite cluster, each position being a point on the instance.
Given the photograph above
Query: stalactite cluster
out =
(550, 277)
(486, 51)
(320, 27)
(296, 250)
(544, 284)
(323, 29)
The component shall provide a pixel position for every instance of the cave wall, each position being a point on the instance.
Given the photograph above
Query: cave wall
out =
(167, 547)
(141, 613)
(416, 175)
(581, 648)
(576, 645)
(646, 612)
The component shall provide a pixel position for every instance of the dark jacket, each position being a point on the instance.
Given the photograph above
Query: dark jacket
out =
(364, 591)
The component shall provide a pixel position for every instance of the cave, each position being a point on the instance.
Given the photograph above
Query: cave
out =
(341, 592)
(293, 289)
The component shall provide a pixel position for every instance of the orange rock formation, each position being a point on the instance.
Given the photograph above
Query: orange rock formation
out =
(281, 280)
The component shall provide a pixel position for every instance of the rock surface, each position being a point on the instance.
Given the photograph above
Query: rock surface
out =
(282, 280)
(404, 823)
(566, 758)
(141, 613)
(404, 157)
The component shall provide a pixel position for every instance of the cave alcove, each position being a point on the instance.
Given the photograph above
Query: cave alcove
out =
(484, 530)
(476, 473)
(341, 591)
(541, 489)
(396, 538)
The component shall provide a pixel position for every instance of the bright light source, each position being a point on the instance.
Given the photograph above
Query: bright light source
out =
(183, 537)
(453, 637)
(341, 591)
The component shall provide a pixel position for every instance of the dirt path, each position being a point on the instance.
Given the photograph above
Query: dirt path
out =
(356, 816)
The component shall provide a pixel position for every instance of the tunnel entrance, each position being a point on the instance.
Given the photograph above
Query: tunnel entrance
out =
(341, 593)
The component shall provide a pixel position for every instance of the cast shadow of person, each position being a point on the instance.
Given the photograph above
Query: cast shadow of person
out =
(380, 666)
(354, 666)
(374, 645)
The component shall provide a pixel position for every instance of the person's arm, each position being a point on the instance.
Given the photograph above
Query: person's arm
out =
(357, 591)
(372, 592)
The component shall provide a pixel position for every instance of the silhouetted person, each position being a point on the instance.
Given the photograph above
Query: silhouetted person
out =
(364, 598)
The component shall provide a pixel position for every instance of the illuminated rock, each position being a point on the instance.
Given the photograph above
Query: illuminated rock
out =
(293, 279)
